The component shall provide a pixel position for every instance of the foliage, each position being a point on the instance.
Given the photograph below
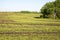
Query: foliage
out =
(47, 9)
(51, 9)
(25, 11)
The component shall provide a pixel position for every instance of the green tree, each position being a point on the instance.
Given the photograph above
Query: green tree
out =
(57, 8)
(51, 9)
(47, 9)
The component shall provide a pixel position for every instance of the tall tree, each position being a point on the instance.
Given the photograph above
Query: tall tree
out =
(57, 8)
(47, 9)
(51, 9)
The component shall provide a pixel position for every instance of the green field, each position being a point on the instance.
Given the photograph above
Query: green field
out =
(28, 26)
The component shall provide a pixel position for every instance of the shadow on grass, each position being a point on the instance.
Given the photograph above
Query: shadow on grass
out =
(37, 17)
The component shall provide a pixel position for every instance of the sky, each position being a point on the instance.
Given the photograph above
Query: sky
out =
(22, 5)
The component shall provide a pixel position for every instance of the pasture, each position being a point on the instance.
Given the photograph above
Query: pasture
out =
(28, 26)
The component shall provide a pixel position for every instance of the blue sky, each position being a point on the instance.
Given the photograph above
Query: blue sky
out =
(21, 5)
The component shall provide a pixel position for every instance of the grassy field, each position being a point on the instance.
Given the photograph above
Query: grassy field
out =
(28, 26)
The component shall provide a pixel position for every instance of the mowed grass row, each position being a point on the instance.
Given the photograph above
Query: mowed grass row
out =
(19, 22)
(33, 28)
(29, 37)
(29, 19)
(27, 22)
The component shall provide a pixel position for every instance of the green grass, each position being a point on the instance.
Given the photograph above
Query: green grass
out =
(19, 22)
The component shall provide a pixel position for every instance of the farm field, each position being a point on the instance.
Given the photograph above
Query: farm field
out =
(28, 26)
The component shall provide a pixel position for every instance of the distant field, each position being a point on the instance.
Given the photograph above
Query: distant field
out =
(28, 26)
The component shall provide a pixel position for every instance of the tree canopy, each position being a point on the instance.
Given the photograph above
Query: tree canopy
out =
(51, 9)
